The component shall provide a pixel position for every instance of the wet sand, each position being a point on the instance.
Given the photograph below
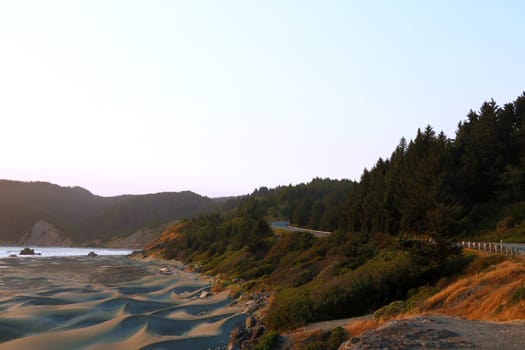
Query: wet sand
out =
(109, 302)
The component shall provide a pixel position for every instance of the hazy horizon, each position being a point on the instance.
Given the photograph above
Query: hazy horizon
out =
(146, 193)
(220, 98)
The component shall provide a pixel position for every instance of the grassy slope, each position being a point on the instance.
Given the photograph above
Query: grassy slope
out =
(318, 279)
(492, 288)
(489, 288)
(496, 294)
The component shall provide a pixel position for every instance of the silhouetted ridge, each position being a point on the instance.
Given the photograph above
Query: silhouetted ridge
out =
(82, 216)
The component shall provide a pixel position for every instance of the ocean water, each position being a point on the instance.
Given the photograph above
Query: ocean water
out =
(61, 251)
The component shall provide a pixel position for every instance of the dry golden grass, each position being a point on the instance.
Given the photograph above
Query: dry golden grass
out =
(169, 234)
(487, 295)
(357, 328)
(301, 337)
(484, 296)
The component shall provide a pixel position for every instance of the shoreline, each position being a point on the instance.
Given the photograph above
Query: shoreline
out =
(253, 304)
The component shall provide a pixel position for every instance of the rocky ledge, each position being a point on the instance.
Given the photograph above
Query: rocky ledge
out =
(440, 332)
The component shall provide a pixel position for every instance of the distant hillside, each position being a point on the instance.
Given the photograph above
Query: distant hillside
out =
(78, 216)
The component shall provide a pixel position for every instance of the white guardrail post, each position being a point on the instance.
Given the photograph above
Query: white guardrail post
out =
(495, 248)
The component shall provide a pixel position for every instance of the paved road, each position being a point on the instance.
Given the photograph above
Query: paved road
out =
(284, 225)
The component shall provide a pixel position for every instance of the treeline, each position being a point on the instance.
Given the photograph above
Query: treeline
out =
(438, 185)
(315, 205)
(432, 184)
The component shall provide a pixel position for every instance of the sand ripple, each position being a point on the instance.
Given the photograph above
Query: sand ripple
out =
(108, 303)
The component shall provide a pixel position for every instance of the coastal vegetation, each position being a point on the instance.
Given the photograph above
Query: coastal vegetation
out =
(393, 232)
(315, 205)
(437, 185)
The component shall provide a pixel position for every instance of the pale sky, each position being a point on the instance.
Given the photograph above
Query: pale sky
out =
(222, 97)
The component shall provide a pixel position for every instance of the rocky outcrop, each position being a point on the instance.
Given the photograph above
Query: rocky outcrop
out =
(440, 332)
(136, 240)
(44, 234)
(246, 337)
(27, 251)
(243, 338)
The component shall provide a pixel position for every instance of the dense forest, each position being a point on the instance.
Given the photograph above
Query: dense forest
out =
(315, 205)
(437, 185)
(431, 186)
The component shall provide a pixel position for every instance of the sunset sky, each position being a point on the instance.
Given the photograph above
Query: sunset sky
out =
(221, 97)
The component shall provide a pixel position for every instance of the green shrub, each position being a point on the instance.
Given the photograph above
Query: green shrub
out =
(322, 340)
(335, 339)
(518, 295)
(291, 308)
(317, 345)
(480, 264)
(267, 341)
(394, 308)
(506, 223)
(418, 296)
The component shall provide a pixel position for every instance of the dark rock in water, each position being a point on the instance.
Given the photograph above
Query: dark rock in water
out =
(92, 254)
(13, 256)
(27, 251)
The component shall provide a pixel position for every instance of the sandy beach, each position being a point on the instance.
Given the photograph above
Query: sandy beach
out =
(109, 302)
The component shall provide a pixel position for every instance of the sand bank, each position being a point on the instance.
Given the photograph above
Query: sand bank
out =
(109, 303)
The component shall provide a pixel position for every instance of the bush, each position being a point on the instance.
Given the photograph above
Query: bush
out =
(506, 223)
(317, 345)
(291, 308)
(335, 339)
(391, 310)
(267, 341)
(518, 295)
(321, 340)
(480, 264)
(418, 296)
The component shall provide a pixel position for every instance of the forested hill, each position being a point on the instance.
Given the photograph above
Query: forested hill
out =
(435, 184)
(83, 217)
(432, 185)
(316, 205)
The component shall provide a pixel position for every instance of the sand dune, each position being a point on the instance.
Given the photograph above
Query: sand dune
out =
(108, 303)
